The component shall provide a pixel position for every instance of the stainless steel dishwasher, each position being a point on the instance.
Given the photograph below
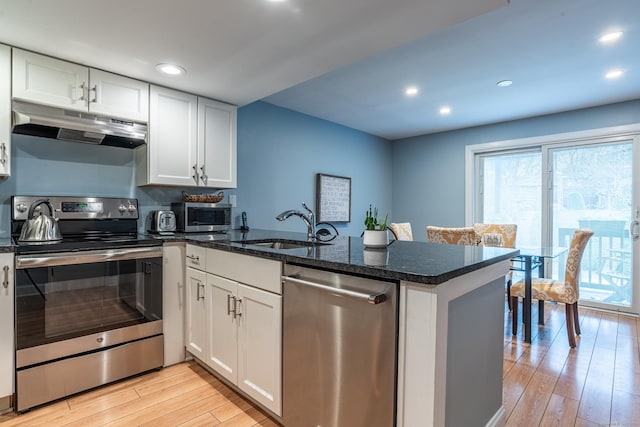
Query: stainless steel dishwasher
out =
(339, 345)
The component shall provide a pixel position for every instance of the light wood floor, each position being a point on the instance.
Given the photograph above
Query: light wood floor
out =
(545, 384)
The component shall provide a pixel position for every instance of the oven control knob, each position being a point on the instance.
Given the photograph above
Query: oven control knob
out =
(22, 207)
(122, 208)
(131, 208)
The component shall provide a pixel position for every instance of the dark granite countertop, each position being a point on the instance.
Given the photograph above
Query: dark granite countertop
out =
(420, 262)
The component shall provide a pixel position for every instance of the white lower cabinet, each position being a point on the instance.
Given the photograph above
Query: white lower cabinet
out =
(7, 349)
(260, 346)
(235, 328)
(223, 326)
(173, 302)
(196, 330)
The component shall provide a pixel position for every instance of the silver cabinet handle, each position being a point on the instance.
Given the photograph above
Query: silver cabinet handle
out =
(94, 89)
(203, 177)
(229, 298)
(3, 155)
(634, 229)
(5, 282)
(83, 87)
(236, 307)
(198, 296)
(370, 298)
(195, 175)
(194, 258)
(233, 311)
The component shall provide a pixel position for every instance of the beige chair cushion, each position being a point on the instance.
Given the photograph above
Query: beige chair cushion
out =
(402, 230)
(452, 235)
(554, 290)
(546, 290)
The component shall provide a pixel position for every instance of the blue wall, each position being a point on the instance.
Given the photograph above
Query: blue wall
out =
(41, 166)
(280, 152)
(428, 171)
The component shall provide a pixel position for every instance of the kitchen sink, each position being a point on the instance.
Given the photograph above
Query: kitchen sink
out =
(281, 243)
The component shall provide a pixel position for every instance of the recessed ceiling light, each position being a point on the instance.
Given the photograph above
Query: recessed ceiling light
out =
(276, 1)
(505, 83)
(610, 37)
(614, 74)
(171, 69)
(445, 110)
(411, 91)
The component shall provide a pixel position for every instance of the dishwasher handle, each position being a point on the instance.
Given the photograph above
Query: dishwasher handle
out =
(370, 298)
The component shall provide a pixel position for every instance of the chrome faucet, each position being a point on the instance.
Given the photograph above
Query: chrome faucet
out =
(308, 219)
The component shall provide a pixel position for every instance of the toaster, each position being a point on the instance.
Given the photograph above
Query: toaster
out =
(161, 222)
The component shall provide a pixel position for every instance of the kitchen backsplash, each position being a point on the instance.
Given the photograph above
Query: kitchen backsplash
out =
(43, 166)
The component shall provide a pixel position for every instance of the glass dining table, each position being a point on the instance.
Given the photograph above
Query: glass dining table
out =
(528, 260)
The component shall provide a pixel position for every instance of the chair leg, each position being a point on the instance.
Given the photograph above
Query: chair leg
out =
(572, 338)
(514, 315)
(509, 294)
(576, 322)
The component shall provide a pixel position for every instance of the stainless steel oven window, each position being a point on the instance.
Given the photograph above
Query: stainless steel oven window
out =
(59, 302)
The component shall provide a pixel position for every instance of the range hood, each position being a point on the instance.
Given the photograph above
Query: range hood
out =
(76, 126)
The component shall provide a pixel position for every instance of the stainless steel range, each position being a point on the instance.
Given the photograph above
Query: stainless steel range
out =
(89, 306)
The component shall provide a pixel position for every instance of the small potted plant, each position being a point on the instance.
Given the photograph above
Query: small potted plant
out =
(375, 233)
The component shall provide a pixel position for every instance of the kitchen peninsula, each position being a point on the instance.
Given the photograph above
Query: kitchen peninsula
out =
(450, 315)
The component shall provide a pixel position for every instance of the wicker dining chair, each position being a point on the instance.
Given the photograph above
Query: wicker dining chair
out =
(452, 235)
(567, 291)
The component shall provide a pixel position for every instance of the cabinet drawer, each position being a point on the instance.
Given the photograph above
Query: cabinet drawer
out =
(259, 272)
(196, 257)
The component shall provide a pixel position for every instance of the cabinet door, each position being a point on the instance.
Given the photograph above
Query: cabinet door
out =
(7, 349)
(173, 302)
(118, 96)
(49, 81)
(216, 144)
(223, 332)
(196, 330)
(5, 110)
(260, 346)
(172, 142)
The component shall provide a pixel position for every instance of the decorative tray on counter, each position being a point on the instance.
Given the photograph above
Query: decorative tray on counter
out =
(203, 198)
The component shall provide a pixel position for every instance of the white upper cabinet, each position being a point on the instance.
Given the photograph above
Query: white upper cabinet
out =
(5, 110)
(118, 96)
(49, 81)
(216, 144)
(192, 142)
(170, 155)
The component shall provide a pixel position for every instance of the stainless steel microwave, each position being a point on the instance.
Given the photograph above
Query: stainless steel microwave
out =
(192, 217)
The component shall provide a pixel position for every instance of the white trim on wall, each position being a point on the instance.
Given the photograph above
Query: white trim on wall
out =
(614, 132)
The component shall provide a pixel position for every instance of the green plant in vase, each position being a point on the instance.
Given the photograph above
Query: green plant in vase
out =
(371, 221)
(375, 233)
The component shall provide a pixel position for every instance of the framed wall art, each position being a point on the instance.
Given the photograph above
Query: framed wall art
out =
(333, 198)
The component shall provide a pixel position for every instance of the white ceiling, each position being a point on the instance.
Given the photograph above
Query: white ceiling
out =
(348, 61)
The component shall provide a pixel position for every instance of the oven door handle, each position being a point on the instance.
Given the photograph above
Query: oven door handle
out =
(86, 257)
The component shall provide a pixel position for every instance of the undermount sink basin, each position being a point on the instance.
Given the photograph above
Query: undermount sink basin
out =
(281, 243)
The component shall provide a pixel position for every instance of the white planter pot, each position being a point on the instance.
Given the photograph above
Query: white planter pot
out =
(375, 239)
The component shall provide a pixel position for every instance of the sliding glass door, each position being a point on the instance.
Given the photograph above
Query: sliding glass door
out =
(591, 186)
(509, 192)
(552, 189)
